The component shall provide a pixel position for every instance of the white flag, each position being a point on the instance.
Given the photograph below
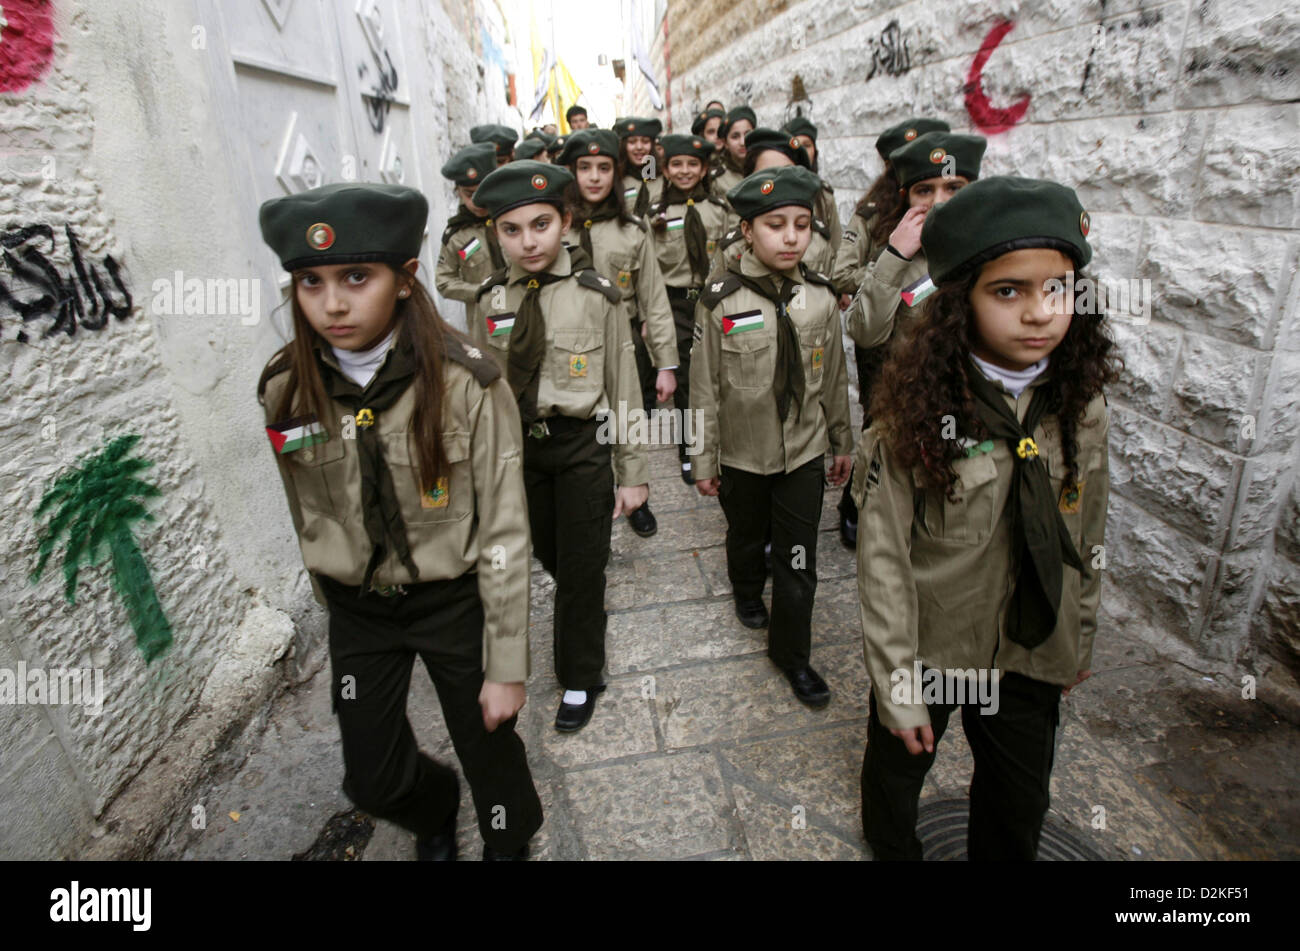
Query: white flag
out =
(643, 59)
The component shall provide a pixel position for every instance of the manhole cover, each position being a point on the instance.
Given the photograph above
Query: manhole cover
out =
(941, 827)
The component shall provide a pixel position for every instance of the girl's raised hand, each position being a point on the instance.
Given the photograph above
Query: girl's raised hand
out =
(906, 238)
(500, 702)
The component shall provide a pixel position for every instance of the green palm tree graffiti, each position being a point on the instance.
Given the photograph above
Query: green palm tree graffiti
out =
(94, 506)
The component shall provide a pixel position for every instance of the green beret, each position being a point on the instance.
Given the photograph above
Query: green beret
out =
(999, 214)
(345, 222)
(527, 149)
(556, 145)
(783, 142)
(697, 127)
(503, 137)
(470, 164)
(734, 116)
(522, 183)
(589, 142)
(773, 188)
(636, 125)
(691, 145)
(896, 136)
(926, 156)
(800, 125)
(541, 136)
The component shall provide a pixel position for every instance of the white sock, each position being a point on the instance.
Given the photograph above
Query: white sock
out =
(575, 696)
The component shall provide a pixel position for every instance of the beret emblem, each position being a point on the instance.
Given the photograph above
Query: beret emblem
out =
(593, 148)
(909, 135)
(1085, 223)
(767, 186)
(937, 156)
(539, 182)
(320, 236)
(471, 173)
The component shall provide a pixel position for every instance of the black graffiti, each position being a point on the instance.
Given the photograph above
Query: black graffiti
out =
(889, 54)
(381, 96)
(59, 296)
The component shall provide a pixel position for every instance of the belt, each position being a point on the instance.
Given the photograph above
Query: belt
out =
(555, 425)
(683, 293)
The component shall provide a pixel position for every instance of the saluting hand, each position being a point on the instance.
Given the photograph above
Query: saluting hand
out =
(500, 702)
(629, 498)
(906, 238)
(841, 466)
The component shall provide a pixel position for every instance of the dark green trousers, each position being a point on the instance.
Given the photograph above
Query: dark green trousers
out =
(785, 507)
(682, 302)
(1009, 794)
(373, 643)
(569, 481)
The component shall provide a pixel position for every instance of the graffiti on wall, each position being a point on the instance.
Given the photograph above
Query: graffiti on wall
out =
(92, 507)
(26, 42)
(987, 117)
(889, 53)
(34, 287)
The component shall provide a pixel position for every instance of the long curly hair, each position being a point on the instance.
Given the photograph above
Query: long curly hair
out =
(924, 381)
(883, 206)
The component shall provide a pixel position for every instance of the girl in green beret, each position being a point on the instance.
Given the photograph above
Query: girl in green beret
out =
(739, 123)
(620, 247)
(397, 442)
(639, 166)
(982, 489)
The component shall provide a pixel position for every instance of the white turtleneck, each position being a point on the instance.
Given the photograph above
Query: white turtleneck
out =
(1016, 381)
(360, 366)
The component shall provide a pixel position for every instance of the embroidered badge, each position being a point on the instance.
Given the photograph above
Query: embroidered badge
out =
(710, 246)
(675, 224)
(577, 365)
(817, 358)
(1071, 496)
(320, 236)
(469, 249)
(739, 323)
(501, 325)
(629, 193)
(296, 433)
(437, 497)
(624, 279)
(365, 417)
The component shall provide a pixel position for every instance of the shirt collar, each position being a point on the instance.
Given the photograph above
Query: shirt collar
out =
(562, 266)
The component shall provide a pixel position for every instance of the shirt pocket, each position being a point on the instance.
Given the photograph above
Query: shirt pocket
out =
(813, 345)
(1069, 498)
(317, 476)
(970, 519)
(577, 360)
(747, 361)
(450, 499)
(623, 268)
(500, 343)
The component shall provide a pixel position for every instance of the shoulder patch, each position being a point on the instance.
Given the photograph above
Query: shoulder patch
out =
(483, 367)
(730, 238)
(496, 277)
(598, 282)
(718, 288)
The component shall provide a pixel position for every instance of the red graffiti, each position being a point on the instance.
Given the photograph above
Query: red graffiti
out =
(26, 42)
(987, 117)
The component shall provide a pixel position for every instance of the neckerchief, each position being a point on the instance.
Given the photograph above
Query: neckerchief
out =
(463, 218)
(697, 238)
(381, 512)
(788, 380)
(605, 212)
(1040, 541)
(528, 344)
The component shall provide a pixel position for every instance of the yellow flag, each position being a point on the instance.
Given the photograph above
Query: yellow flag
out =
(568, 94)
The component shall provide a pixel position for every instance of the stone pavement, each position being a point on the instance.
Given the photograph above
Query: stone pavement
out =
(699, 750)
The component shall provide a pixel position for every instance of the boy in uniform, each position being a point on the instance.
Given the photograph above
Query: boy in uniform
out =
(470, 251)
(561, 334)
(576, 117)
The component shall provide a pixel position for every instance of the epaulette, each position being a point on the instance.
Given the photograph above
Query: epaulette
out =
(816, 277)
(496, 277)
(719, 201)
(273, 369)
(730, 238)
(588, 277)
(715, 291)
(483, 367)
(447, 232)
(821, 227)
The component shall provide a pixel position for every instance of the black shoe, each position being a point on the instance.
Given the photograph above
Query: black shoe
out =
(848, 533)
(751, 613)
(643, 521)
(441, 846)
(686, 474)
(572, 717)
(492, 855)
(809, 687)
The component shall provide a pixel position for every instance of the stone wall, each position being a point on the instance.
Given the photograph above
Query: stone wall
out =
(136, 142)
(1177, 123)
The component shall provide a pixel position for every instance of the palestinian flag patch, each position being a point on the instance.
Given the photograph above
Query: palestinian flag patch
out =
(501, 325)
(465, 252)
(918, 291)
(296, 433)
(629, 194)
(675, 224)
(739, 323)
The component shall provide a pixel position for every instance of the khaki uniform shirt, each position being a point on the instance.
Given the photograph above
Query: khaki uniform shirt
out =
(856, 251)
(626, 255)
(463, 263)
(935, 577)
(731, 380)
(877, 309)
(589, 363)
(479, 523)
(670, 243)
(631, 186)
